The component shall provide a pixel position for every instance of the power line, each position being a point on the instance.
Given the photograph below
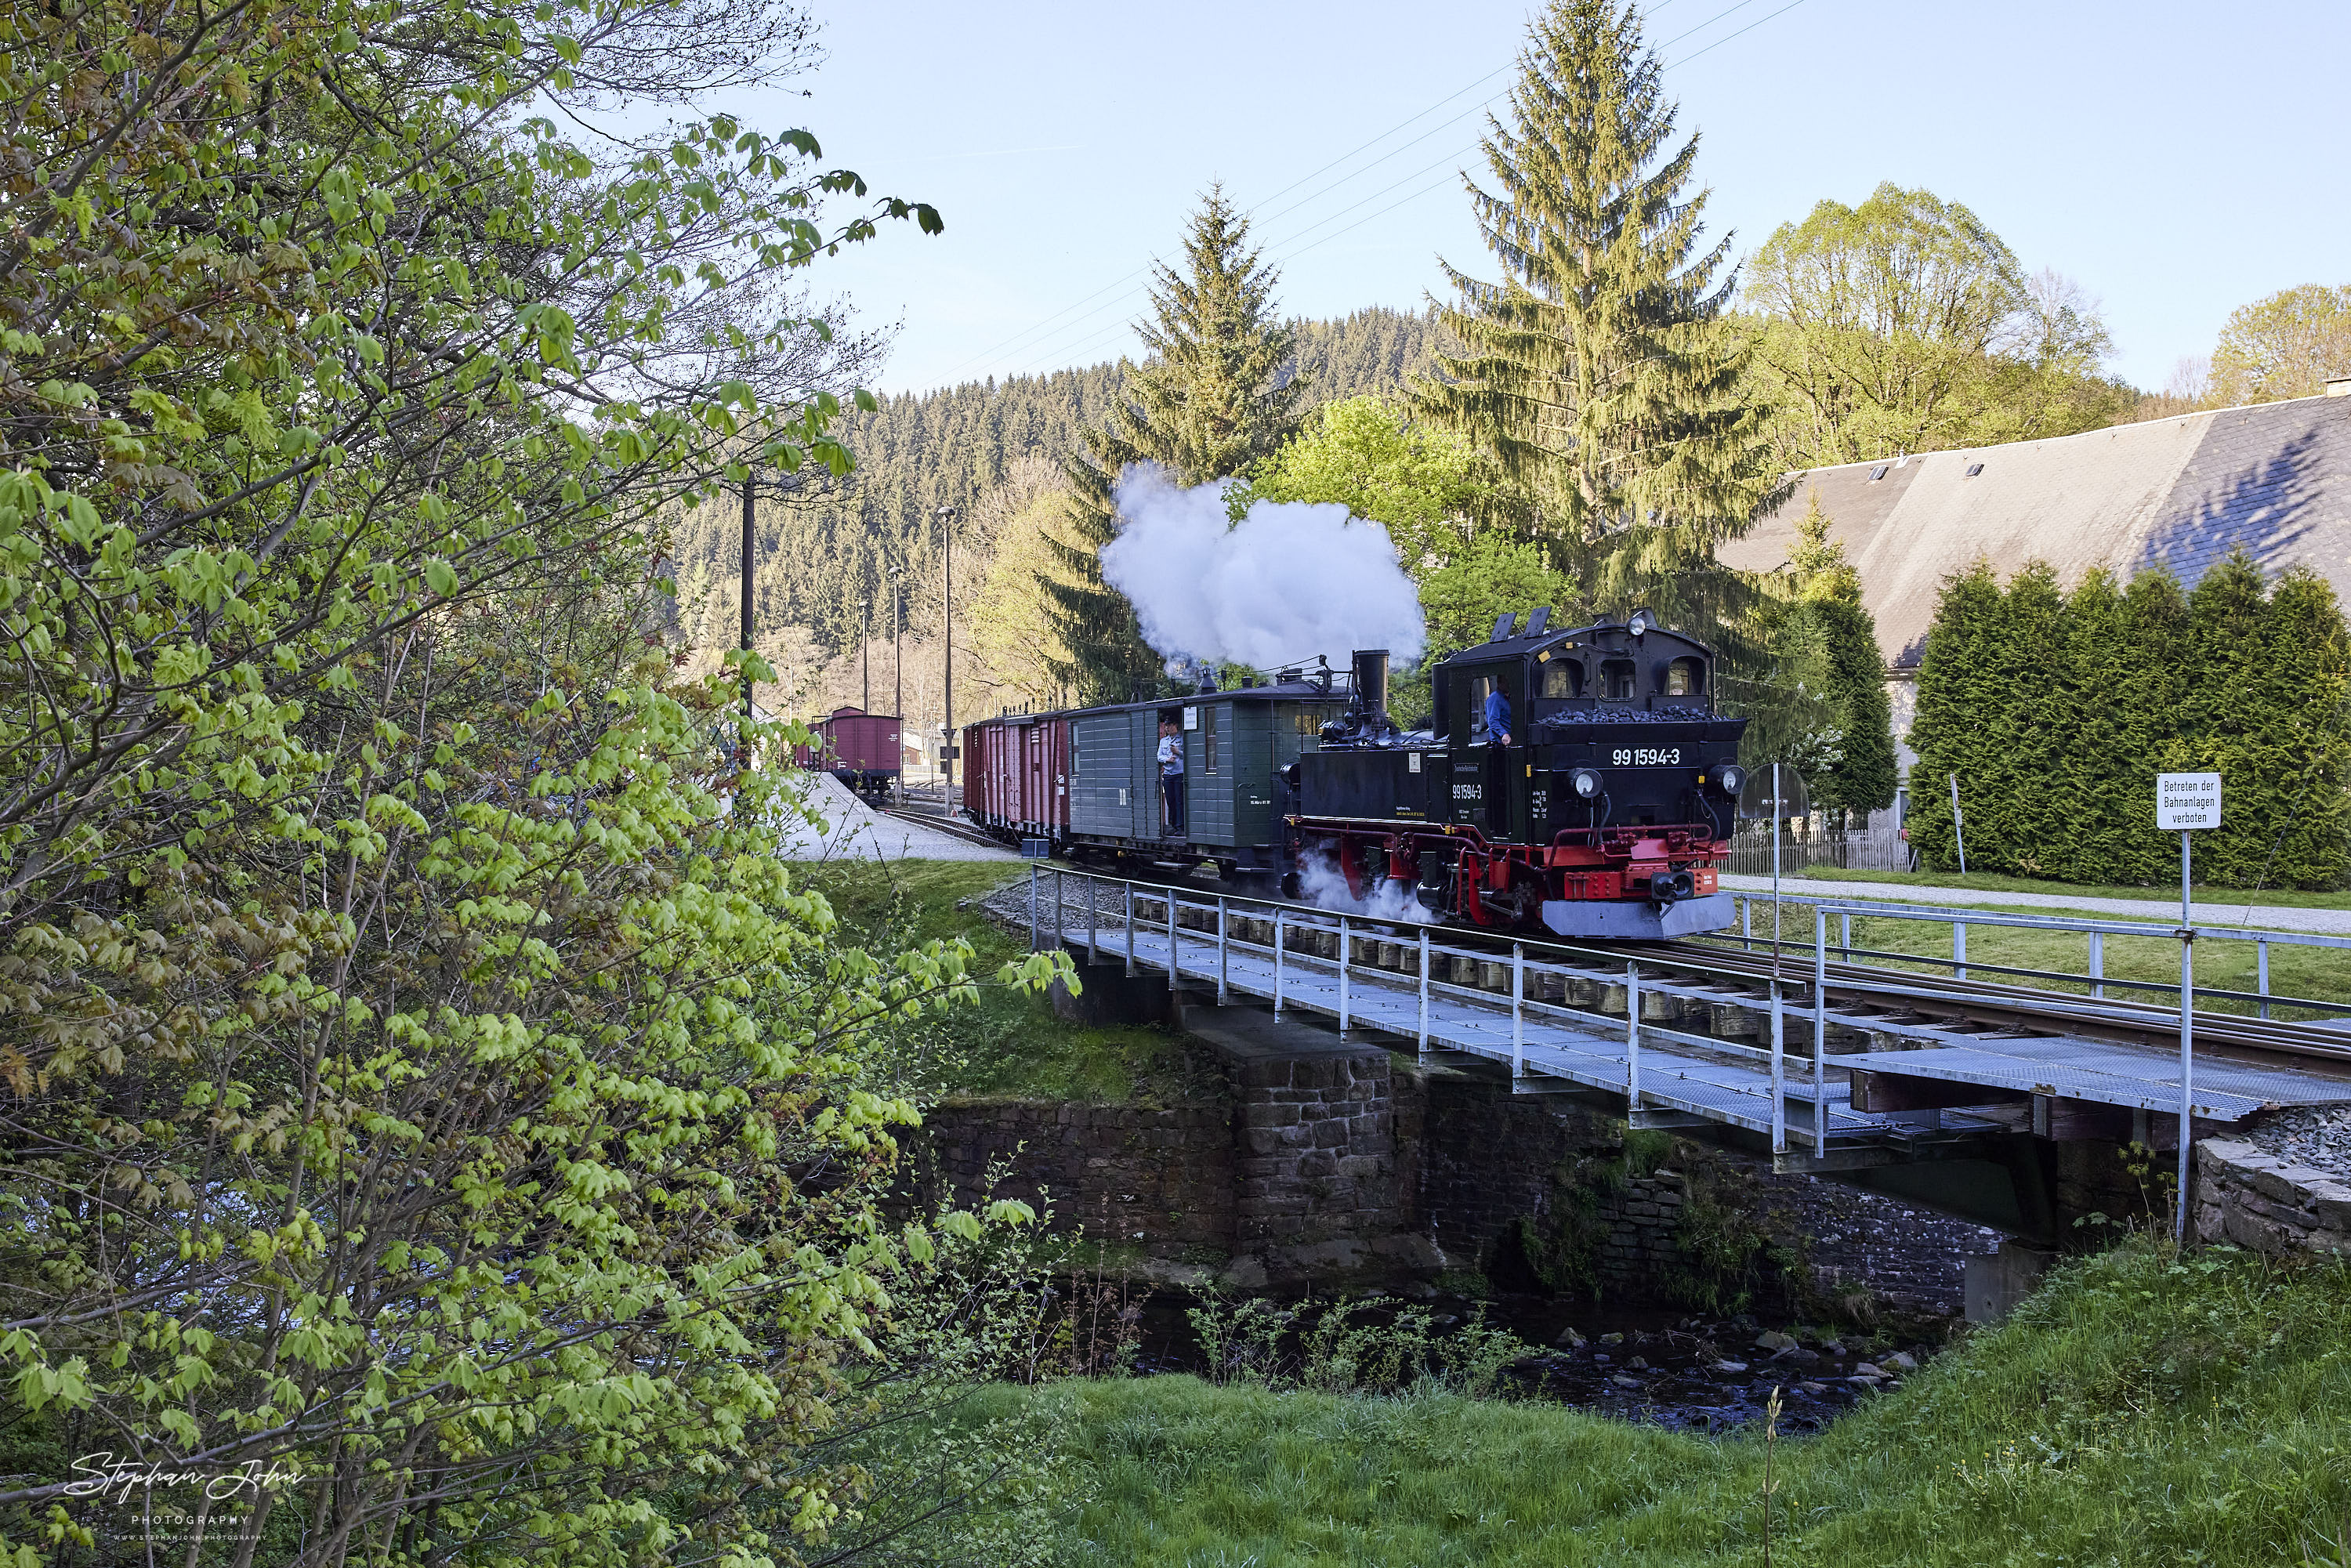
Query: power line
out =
(1063, 351)
(1449, 158)
(1105, 334)
(1026, 331)
(1740, 34)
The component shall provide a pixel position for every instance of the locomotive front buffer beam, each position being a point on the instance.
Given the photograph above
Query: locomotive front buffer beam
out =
(1640, 922)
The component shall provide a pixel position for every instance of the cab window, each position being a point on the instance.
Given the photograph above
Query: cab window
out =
(1562, 679)
(1617, 680)
(1685, 677)
(1481, 686)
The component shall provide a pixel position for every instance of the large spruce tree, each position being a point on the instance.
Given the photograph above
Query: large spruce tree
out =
(1209, 402)
(1598, 370)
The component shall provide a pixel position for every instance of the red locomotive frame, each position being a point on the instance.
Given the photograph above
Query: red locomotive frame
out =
(1511, 880)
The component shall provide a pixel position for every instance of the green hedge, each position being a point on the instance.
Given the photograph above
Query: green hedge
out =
(2057, 711)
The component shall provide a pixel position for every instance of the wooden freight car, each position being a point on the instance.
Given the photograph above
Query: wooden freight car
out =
(1087, 779)
(857, 748)
(1016, 776)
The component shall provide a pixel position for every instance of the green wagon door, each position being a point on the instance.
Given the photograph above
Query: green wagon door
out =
(1209, 766)
(1143, 743)
(1253, 766)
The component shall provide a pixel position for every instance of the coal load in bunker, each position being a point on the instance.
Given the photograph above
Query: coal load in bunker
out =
(1604, 809)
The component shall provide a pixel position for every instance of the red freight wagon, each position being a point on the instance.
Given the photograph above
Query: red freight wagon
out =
(1016, 775)
(857, 748)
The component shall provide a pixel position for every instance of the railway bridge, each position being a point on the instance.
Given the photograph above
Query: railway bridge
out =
(1946, 1090)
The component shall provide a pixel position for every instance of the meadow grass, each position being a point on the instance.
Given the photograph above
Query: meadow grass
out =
(2140, 1409)
(1006, 1045)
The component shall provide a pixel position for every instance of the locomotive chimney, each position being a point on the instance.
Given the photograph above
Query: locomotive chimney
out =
(1372, 683)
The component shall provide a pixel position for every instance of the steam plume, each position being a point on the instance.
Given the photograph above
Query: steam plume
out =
(1290, 580)
(1321, 884)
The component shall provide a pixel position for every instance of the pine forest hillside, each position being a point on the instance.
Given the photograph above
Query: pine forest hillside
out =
(820, 550)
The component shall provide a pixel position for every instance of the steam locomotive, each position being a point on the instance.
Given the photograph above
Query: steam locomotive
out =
(1609, 814)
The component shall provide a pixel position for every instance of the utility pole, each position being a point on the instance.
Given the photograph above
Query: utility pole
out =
(750, 481)
(865, 642)
(946, 640)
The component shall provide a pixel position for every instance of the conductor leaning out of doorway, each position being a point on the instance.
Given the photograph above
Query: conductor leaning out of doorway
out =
(1171, 775)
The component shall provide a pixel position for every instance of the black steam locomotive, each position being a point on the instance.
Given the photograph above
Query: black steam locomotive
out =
(1607, 813)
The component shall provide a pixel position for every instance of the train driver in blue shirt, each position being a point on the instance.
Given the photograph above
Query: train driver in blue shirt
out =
(1498, 771)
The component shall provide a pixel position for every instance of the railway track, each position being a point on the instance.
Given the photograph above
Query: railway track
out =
(2267, 1041)
(940, 824)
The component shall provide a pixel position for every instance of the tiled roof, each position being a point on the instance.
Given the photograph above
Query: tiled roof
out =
(2182, 492)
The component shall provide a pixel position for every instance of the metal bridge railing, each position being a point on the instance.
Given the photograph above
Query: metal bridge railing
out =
(1157, 908)
(2096, 931)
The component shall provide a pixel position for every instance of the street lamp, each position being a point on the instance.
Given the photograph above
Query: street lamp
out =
(898, 641)
(946, 640)
(898, 672)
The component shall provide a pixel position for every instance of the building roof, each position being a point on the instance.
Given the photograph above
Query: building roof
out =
(2273, 479)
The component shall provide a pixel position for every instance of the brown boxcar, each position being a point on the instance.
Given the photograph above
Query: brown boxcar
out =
(857, 748)
(1016, 775)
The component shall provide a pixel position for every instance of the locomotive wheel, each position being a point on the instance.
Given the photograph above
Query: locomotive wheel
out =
(1519, 904)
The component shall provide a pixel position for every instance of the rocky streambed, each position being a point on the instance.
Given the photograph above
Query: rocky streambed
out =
(1713, 1373)
(1693, 1372)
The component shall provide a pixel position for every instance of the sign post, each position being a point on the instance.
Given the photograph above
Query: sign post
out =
(2185, 803)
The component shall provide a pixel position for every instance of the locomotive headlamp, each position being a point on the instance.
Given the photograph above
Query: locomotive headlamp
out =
(1586, 782)
(1728, 778)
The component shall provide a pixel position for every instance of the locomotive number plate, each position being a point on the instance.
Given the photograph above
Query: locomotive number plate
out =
(1641, 757)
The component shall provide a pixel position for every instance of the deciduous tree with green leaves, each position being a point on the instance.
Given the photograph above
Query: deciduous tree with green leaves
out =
(2284, 345)
(1906, 325)
(418, 1089)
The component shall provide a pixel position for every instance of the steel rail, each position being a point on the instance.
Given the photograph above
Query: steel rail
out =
(1986, 1001)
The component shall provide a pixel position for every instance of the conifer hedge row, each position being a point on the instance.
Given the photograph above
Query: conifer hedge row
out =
(2056, 711)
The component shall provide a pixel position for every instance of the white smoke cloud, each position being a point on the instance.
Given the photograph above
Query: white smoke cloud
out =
(1290, 580)
(1321, 884)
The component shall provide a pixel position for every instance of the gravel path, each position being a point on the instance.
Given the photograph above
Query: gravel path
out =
(854, 831)
(2319, 922)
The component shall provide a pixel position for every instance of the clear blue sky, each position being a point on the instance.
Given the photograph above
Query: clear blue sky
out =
(2177, 159)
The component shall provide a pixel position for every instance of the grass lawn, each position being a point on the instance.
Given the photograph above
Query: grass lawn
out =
(1008, 1045)
(1993, 881)
(2137, 1411)
(2322, 974)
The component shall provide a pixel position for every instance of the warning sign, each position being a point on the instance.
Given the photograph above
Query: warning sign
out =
(2186, 800)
